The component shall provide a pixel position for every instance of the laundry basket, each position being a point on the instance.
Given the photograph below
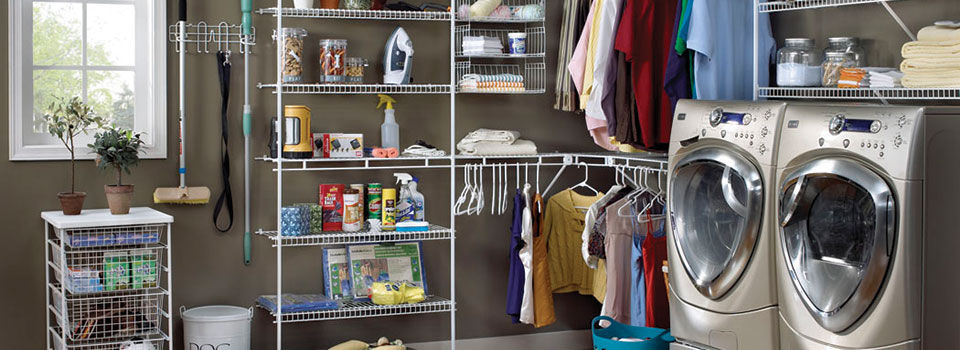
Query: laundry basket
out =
(647, 338)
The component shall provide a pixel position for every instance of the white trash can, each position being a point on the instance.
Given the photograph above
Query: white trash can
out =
(216, 327)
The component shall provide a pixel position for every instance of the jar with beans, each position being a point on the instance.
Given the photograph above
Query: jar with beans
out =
(292, 39)
(355, 68)
(333, 55)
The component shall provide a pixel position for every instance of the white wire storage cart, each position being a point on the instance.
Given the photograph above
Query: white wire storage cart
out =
(108, 279)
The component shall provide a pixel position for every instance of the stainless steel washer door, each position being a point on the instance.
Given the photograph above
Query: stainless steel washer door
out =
(838, 223)
(716, 206)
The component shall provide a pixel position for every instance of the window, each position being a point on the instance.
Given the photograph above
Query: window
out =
(111, 53)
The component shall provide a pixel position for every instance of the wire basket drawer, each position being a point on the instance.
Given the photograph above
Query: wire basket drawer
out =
(154, 342)
(119, 317)
(90, 271)
(112, 235)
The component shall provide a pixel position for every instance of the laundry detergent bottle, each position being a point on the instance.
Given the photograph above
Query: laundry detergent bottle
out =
(406, 210)
(389, 130)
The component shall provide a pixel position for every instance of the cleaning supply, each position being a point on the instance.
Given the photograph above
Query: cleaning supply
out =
(246, 10)
(389, 130)
(413, 226)
(419, 208)
(374, 201)
(389, 221)
(352, 221)
(405, 205)
(182, 194)
(398, 58)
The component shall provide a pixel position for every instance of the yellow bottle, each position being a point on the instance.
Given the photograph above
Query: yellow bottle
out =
(389, 222)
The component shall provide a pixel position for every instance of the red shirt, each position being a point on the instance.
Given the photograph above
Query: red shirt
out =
(654, 251)
(644, 36)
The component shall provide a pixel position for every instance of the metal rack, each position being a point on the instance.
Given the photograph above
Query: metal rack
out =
(108, 279)
(789, 5)
(533, 73)
(200, 36)
(536, 42)
(358, 89)
(435, 232)
(382, 15)
(366, 309)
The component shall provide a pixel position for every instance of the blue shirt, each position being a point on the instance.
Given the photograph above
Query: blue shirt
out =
(721, 33)
(515, 277)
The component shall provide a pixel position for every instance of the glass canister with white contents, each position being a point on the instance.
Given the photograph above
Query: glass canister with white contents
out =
(333, 55)
(798, 64)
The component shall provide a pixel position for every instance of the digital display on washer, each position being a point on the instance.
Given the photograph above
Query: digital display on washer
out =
(860, 125)
(735, 118)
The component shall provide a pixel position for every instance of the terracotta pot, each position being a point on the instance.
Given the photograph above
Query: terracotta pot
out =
(71, 203)
(330, 4)
(118, 197)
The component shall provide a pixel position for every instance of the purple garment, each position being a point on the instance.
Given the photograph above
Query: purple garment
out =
(676, 80)
(515, 277)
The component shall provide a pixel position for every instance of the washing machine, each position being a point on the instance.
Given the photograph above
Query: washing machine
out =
(867, 215)
(721, 231)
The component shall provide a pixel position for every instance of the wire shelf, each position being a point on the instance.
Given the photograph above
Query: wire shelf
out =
(158, 341)
(533, 77)
(536, 44)
(118, 317)
(199, 37)
(789, 5)
(365, 309)
(335, 238)
(105, 271)
(548, 159)
(358, 89)
(860, 94)
(358, 14)
(513, 18)
(107, 236)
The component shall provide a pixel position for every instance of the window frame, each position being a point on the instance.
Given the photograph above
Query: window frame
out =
(155, 99)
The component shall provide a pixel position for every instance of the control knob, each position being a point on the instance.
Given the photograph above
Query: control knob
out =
(716, 117)
(764, 132)
(902, 121)
(837, 123)
(762, 149)
(897, 141)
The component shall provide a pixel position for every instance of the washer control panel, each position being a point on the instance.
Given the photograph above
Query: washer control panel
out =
(752, 126)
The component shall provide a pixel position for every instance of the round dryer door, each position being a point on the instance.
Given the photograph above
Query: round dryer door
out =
(838, 222)
(716, 206)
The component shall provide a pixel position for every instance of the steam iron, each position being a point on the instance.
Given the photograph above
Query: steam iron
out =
(398, 58)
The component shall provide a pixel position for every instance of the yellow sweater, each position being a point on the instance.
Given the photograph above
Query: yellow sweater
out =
(562, 228)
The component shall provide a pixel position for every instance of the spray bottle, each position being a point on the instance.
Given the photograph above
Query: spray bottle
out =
(389, 130)
(419, 209)
(406, 210)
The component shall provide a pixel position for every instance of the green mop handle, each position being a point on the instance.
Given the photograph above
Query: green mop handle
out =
(246, 9)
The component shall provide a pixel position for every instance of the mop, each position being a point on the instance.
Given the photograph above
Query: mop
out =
(246, 9)
(182, 194)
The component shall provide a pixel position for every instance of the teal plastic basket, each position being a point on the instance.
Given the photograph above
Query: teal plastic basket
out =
(655, 338)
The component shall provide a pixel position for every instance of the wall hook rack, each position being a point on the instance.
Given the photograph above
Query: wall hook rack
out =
(202, 37)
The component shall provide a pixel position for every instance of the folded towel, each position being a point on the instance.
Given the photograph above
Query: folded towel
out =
(931, 49)
(490, 135)
(892, 76)
(930, 64)
(493, 77)
(938, 33)
(944, 79)
(486, 148)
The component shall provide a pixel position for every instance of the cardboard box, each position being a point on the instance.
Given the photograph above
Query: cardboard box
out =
(143, 268)
(336, 274)
(116, 271)
(337, 145)
(331, 201)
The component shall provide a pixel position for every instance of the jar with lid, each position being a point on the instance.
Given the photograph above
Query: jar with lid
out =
(333, 52)
(849, 46)
(798, 64)
(292, 39)
(357, 4)
(355, 68)
(832, 64)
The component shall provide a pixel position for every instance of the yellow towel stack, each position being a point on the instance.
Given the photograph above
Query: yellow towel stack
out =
(933, 61)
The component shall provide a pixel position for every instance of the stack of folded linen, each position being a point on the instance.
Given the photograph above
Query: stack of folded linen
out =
(888, 79)
(481, 45)
(869, 77)
(491, 83)
(933, 61)
(487, 142)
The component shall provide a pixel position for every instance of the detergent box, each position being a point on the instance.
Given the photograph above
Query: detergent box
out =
(385, 262)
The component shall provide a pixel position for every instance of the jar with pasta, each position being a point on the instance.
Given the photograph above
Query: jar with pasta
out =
(292, 39)
(333, 55)
(355, 68)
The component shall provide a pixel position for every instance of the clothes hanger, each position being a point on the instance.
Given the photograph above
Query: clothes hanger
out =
(658, 198)
(586, 177)
(467, 190)
(642, 188)
(494, 189)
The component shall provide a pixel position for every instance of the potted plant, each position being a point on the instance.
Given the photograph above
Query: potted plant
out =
(117, 149)
(67, 119)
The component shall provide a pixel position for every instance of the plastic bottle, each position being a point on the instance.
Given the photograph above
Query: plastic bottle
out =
(389, 210)
(406, 210)
(389, 130)
(419, 208)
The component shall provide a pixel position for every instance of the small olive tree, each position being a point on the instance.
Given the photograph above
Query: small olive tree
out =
(117, 148)
(67, 119)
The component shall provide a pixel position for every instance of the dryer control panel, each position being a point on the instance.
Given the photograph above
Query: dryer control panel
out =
(752, 126)
(885, 135)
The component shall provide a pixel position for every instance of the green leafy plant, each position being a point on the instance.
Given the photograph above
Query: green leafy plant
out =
(117, 148)
(66, 119)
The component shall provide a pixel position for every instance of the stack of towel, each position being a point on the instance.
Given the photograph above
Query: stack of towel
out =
(481, 45)
(869, 77)
(487, 142)
(933, 61)
(491, 83)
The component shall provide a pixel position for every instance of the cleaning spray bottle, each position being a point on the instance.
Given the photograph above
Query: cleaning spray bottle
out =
(419, 213)
(389, 130)
(406, 210)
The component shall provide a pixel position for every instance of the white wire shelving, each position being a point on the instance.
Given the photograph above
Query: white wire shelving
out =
(202, 37)
(790, 5)
(380, 15)
(435, 232)
(512, 18)
(533, 77)
(358, 89)
(535, 45)
(888, 94)
(598, 159)
(366, 309)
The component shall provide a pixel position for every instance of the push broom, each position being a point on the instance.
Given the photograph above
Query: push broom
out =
(182, 194)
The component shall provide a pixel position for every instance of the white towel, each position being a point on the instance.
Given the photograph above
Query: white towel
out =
(487, 148)
(490, 135)
(944, 79)
(930, 49)
(938, 33)
(930, 64)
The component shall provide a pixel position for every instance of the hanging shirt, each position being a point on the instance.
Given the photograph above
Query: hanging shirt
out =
(589, 227)
(526, 258)
(654, 252)
(676, 82)
(543, 313)
(644, 36)
(683, 28)
(516, 273)
(721, 35)
(599, 108)
(562, 228)
(618, 240)
(581, 71)
(638, 291)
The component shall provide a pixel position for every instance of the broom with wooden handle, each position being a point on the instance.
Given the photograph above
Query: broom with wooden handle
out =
(182, 194)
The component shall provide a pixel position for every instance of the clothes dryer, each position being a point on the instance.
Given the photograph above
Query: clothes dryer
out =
(866, 245)
(720, 246)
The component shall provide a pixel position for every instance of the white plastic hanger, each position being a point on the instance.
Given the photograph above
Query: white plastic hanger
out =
(658, 198)
(467, 190)
(586, 177)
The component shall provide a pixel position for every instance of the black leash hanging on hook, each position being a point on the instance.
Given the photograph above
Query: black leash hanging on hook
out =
(226, 195)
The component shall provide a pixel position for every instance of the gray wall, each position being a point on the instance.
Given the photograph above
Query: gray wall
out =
(208, 264)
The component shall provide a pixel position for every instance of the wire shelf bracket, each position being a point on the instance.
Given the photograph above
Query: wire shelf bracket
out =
(202, 37)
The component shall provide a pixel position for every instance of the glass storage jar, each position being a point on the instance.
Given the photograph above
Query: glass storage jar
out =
(293, 54)
(333, 52)
(832, 63)
(357, 4)
(355, 69)
(848, 45)
(798, 64)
